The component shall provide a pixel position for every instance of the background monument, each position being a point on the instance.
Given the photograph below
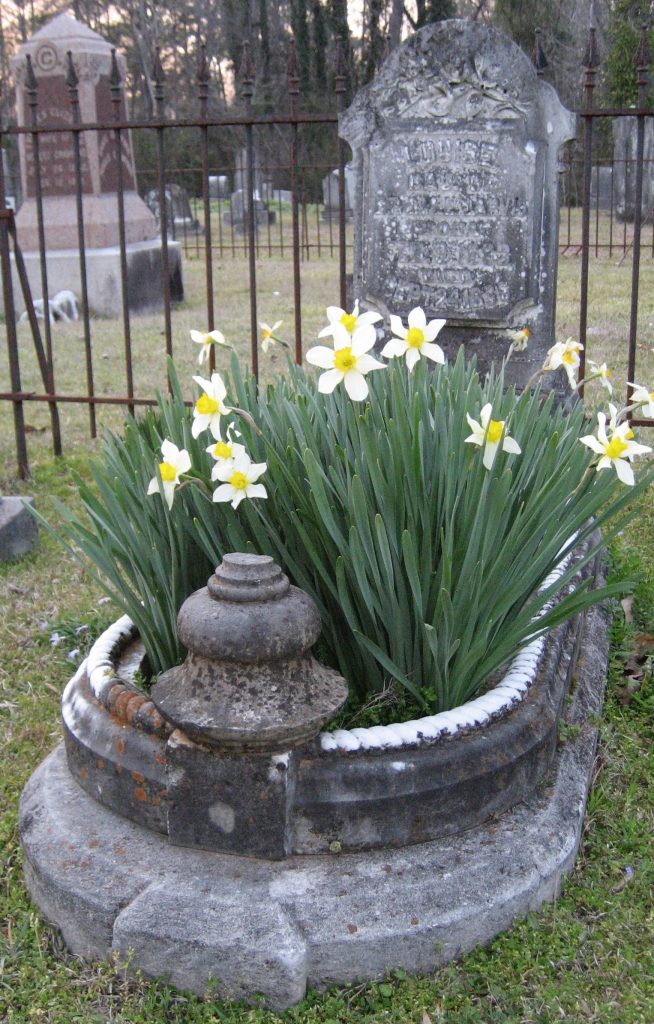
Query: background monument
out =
(48, 50)
(456, 154)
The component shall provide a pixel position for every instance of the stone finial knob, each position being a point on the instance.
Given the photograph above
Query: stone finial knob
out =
(249, 682)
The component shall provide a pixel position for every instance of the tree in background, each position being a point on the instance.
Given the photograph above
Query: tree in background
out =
(624, 37)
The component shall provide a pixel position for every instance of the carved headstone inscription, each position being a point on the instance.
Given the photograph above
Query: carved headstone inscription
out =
(456, 154)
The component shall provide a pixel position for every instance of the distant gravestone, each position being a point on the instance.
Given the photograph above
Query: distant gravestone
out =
(238, 212)
(456, 156)
(100, 160)
(601, 187)
(241, 174)
(179, 216)
(330, 197)
(625, 135)
(218, 186)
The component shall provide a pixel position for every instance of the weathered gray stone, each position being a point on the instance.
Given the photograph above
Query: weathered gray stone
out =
(218, 186)
(257, 926)
(238, 213)
(330, 196)
(18, 530)
(456, 154)
(625, 141)
(249, 682)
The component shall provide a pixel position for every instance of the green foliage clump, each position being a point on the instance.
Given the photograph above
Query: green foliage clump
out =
(427, 567)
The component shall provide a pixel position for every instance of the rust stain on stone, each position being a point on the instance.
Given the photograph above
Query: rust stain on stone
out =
(92, 844)
(352, 928)
(138, 776)
(414, 920)
(119, 850)
(100, 763)
(120, 746)
(141, 795)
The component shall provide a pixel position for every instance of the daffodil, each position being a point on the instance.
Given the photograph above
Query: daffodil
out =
(225, 450)
(348, 361)
(641, 396)
(268, 335)
(350, 321)
(565, 354)
(239, 480)
(601, 373)
(519, 339)
(617, 450)
(416, 340)
(206, 340)
(489, 434)
(175, 461)
(210, 406)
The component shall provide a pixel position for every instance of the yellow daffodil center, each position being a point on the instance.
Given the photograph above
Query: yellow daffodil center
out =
(494, 432)
(265, 334)
(222, 450)
(239, 481)
(606, 373)
(344, 360)
(167, 471)
(629, 435)
(570, 358)
(651, 396)
(526, 332)
(349, 321)
(415, 337)
(205, 405)
(615, 448)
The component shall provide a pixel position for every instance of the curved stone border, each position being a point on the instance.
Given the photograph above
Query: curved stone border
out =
(128, 702)
(240, 926)
(309, 800)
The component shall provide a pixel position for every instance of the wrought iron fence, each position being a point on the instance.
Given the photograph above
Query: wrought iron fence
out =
(298, 231)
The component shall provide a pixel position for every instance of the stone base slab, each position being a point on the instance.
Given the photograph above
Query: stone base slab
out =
(18, 530)
(229, 926)
(144, 277)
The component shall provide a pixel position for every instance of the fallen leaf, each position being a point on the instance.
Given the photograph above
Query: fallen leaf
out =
(426, 1019)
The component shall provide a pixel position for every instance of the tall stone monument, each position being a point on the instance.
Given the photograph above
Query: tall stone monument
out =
(456, 152)
(625, 148)
(48, 50)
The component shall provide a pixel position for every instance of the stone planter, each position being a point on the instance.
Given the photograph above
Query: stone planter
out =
(374, 849)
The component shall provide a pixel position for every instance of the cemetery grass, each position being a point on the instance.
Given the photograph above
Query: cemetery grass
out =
(590, 957)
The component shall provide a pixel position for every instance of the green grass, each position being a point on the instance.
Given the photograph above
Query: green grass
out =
(587, 958)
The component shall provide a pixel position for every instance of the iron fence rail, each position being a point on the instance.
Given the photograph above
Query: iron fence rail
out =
(309, 236)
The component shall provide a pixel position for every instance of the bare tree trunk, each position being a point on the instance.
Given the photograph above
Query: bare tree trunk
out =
(395, 24)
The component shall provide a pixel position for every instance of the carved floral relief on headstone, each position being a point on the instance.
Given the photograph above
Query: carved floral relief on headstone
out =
(456, 153)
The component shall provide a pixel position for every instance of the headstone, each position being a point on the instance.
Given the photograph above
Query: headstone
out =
(241, 174)
(179, 216)
(91, 55)
(18, 532)
(330, 197)
(238, 212)
(456, 156)
(625, 137)
(601, 187)
(218, 186)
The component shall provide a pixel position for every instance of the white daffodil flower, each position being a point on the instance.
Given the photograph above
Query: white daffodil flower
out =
(350, 321)
(225, 450)
(617, 450)
(206, 340)
(239, 480)
(519, 339)
(416, 340)
(268, 334)
(175, 461)
(641, 396)
(601, 373)
(565, 354)
(347, 361)
(210, 406)
(489, 433)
